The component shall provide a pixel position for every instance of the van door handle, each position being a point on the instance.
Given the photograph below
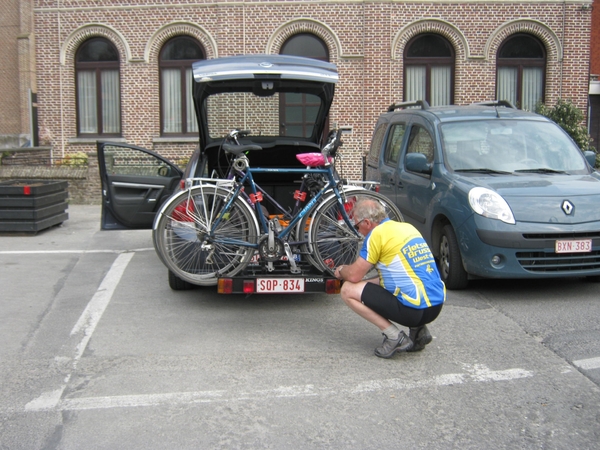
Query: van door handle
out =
(399, 184)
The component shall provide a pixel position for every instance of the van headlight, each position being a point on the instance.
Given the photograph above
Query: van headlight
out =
(488, 203)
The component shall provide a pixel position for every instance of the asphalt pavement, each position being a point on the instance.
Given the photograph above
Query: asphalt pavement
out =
(98, 353)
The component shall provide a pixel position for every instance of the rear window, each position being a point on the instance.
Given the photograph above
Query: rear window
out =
(278, 115)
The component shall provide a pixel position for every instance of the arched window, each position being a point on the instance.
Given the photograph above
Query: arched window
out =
(176, 104)
(429, 70)
(307, 45)
(298, 111)
(98, 88)
(521, 71)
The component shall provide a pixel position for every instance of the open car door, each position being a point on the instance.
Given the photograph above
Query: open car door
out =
(135, 183)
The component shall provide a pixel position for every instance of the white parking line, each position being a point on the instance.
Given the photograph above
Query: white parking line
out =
(473, 374)
(86, 324)
(588, 364)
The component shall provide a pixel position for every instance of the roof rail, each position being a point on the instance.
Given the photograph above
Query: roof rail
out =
(505, 103)
(422, 103)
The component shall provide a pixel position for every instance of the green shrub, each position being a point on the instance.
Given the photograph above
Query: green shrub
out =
(78, 159)
(570, 119)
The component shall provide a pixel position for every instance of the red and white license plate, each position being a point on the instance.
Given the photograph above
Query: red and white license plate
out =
(279, 285)
(573, 246)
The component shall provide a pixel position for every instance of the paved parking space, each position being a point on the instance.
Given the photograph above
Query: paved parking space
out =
(98, 352)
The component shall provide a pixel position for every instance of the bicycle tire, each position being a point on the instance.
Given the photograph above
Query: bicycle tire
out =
(302, 231)
(332, 243)
(184, 245)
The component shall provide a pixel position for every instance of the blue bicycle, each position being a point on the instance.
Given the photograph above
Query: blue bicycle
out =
(217, 227)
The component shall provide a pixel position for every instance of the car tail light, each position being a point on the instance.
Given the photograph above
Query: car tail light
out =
(332, 286)
(225, 286)
(248, 287)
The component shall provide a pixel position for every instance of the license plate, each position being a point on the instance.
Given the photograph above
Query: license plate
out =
(573, 246)
(279, 285)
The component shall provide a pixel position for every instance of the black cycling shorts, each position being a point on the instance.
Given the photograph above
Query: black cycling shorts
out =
(387, 305)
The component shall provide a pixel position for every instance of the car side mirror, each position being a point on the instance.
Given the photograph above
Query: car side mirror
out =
(417, 162)
(164, 171)
(590, 157)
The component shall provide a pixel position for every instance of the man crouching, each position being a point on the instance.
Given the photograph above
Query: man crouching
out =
(409, 290)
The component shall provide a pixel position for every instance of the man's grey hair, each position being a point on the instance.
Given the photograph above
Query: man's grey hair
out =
(369, 209)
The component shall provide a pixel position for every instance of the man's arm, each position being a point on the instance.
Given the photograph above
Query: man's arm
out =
(355, 272)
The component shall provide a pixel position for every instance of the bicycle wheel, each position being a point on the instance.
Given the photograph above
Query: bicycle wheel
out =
(302, 231)
(332, 243)
(198, 242)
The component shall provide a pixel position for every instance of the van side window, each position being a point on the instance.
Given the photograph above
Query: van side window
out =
(394, 144)
(420, 141)
(376, 144)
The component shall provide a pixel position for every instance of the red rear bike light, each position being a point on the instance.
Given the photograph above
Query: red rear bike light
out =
(181, 213)
(225, 286)
(333, 286)
(248, 287)
(26, 190)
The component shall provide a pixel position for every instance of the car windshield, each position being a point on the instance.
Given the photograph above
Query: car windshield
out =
(277, 115)
(510, 146)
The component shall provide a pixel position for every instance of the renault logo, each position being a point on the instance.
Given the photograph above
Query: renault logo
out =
(567, 207)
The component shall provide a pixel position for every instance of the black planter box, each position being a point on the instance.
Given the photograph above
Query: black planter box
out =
(28, 206)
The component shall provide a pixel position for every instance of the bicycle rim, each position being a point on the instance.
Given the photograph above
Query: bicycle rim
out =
(332, 242)
(198, 242)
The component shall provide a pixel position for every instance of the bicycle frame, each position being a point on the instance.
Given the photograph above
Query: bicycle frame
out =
(248, 178)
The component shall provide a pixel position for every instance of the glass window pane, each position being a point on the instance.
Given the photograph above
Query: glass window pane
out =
(506, 88)
(521, 46)
(111, 102)
(394, 144)
(181, 48)
(292, 98)
(415, 83)
(86, 102)
(294, 131)
(307, 45)
(293, 113)
(429, 46)
(441, 79)
(96, 50)
(533, 79)
(311, 113)
(171, 100)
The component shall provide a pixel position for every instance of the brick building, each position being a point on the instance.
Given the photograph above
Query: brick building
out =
(17, 71)
(594, 110)
(105, 69)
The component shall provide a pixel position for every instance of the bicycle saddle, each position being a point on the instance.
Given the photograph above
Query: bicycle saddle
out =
(312, 159)
(239, 149)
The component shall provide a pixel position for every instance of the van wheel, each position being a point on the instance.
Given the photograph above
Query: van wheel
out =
(177, 284)
(450, 264)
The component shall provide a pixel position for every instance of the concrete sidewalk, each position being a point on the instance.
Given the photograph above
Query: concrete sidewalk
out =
(80, 232)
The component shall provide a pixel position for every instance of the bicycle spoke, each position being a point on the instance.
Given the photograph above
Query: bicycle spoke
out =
(332, 241)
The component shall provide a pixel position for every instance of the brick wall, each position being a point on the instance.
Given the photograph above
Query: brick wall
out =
(366, 40)
(10, 123)
(595, 41)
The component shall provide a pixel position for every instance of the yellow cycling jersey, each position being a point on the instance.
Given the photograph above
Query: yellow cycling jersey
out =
(405, 264)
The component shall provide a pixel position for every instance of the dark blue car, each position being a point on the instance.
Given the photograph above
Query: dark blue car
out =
(497, 192)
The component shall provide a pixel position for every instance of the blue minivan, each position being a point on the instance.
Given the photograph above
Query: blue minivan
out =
(497, 192)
